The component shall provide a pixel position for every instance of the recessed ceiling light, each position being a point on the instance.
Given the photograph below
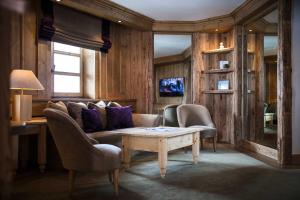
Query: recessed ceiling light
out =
(217, 30)
(58, 0)
(119, 21)
(250, 30)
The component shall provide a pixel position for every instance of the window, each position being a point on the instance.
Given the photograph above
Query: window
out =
(67, 70)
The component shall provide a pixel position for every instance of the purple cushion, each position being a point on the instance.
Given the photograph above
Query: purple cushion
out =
(119, 117)
(91, 120)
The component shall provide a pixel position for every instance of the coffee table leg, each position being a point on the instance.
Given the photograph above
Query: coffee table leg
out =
(195, 147)
(162, 156)
(126, 152)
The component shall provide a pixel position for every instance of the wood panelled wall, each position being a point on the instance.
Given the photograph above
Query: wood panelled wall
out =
(169, 70)
(127, 70)
(124, 73)
(221, 106)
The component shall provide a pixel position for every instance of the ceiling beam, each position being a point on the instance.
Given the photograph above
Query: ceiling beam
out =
(173, 58)
(111, 11)
(221, 23)
(114, 12)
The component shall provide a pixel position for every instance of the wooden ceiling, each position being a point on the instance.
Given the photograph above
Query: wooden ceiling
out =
(119, 14)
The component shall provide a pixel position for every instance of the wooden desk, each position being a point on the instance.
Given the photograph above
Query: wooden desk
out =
(38, 125)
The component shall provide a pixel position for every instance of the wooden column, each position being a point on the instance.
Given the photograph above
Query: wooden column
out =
(238, 83)
(6, 161)
(284, 80)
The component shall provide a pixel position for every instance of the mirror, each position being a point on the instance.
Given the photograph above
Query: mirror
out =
(262, 44)
(172, 70)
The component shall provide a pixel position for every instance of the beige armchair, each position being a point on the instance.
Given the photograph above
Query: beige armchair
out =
(192, 115)
(80, 153)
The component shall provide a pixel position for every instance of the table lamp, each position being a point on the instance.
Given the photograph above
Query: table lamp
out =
(22, 104)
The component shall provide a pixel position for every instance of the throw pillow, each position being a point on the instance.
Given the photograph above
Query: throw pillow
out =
(119, 117)
(91, 120)
(113, 104)
(101, 104)
(75, 111)
(102, 113)
(58, 106)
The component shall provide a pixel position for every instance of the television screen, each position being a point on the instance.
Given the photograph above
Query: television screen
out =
(171, 87)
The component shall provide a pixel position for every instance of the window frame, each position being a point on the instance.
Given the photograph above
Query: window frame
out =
(53, 72)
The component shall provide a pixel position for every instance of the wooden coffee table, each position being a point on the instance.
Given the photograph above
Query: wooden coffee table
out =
(160, 140)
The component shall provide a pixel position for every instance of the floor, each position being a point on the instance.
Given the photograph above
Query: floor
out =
(224, 175)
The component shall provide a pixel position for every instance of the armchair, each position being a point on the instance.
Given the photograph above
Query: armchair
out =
(80, 153)
(192, 115)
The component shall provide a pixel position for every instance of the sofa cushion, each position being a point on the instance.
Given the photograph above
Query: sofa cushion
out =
(119, 117)
(113, 104)
(101, 104)
(102, 112)
(75, 111)
(58, 106)
(91, 120)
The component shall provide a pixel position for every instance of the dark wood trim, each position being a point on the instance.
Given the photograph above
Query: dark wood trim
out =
(284, 79)
(111, 11)
(222, 23)
(6, 160)
(260, 149)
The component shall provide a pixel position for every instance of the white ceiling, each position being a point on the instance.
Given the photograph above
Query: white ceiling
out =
(167, 45)
(270, 45)
(272, 17)
(179, 10)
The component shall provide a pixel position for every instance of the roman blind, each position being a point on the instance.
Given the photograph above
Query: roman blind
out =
(66, 25)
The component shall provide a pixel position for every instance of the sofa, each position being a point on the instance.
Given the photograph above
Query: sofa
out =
(108, 136)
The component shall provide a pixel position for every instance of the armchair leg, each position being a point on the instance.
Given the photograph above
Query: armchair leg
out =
(72, 176)
(116, 181)
(214, 143)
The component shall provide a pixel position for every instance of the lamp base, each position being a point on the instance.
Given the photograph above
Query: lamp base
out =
(22, 108)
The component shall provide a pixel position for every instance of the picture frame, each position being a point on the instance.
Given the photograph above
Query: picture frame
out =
(223, 85)
(224, 64)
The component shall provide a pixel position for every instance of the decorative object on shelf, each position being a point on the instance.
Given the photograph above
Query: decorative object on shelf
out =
(221, 45)
(22, 104)
(224, 64)
(223, 85)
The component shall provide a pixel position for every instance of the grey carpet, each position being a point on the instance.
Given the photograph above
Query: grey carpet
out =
(224, 175)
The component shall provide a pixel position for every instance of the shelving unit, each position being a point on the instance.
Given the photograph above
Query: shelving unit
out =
(212, 72)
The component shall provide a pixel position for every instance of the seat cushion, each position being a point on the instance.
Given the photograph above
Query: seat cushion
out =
(107, 137)
(208, 132)
(112, 156)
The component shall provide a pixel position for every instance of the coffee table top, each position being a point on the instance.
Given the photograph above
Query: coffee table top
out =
(157, 131)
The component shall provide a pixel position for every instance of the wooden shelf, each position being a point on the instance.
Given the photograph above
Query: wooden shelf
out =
(225, 50)
(218, 91)
(216, 71)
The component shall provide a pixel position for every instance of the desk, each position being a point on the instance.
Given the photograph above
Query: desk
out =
(38, 125)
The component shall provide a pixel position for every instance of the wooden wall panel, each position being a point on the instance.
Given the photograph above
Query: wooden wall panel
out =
(221, 106)
(169, 70)
(124, 73)
(127, 70)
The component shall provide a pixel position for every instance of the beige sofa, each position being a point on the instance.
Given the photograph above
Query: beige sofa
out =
(139, 120)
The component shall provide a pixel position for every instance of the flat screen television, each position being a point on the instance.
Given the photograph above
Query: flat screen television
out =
(171, 87)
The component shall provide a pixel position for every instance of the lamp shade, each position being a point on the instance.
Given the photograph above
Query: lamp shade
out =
(24, 80)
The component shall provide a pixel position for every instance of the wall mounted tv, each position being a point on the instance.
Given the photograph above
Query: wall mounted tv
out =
(171, 87)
